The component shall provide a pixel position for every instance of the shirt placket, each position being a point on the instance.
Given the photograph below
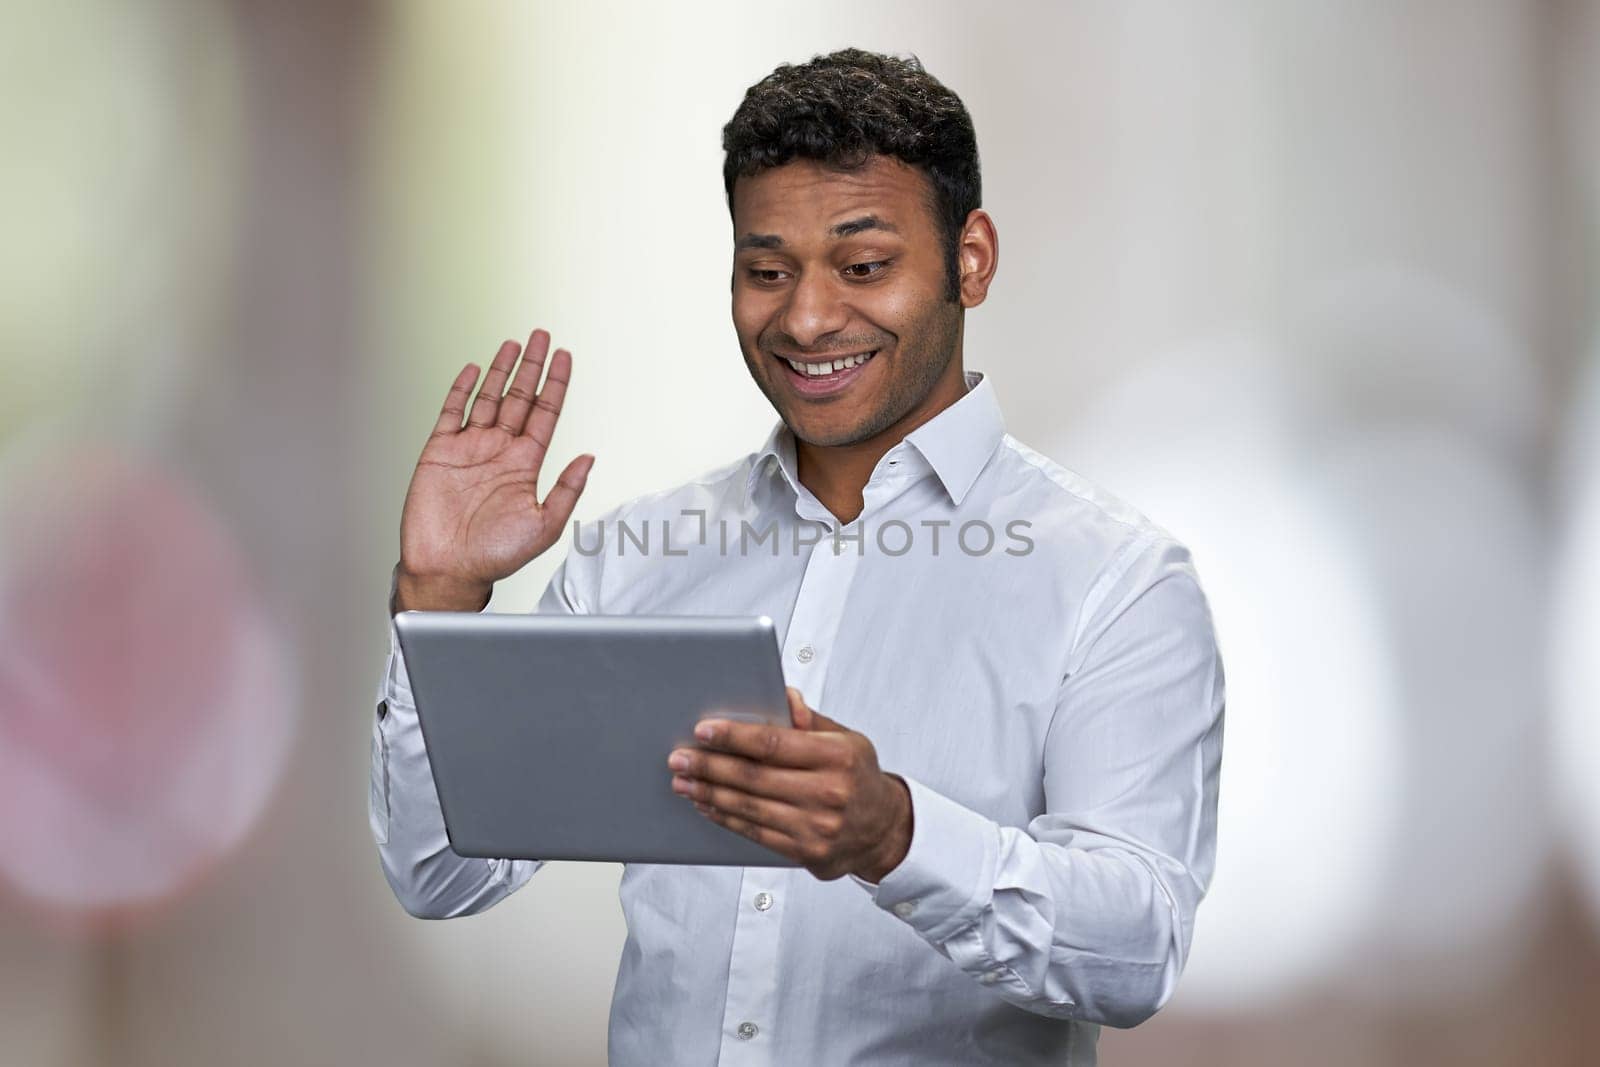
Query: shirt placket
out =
(749, 1015)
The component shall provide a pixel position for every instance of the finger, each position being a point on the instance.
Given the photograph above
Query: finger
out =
(485, 407)
(821, 723)
(775, 745)
(776, 840)
(789, 785)
(799, 713)
(524, 386)
(775, 814)
(547, 405)
(756, 813)
(563, 496)
(806, 717)
(455, 402)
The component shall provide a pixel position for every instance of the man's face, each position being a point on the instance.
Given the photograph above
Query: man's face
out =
(832, 265)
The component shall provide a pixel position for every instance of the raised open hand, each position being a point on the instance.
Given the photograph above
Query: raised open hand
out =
(472, 514)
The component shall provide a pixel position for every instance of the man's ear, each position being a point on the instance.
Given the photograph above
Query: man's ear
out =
(977, 256)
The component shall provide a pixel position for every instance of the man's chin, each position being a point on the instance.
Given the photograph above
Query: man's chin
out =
(818, 432)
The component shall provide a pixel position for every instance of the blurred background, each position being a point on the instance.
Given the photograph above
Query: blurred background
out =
(1313, 285)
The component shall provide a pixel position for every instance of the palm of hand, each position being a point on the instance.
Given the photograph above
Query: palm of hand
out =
(472, 511)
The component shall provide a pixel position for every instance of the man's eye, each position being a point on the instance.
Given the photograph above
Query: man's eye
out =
(767, 275)
(866, 270)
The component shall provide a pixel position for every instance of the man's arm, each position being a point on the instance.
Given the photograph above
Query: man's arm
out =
(429, 880)
(1089, 913)
(472, 516)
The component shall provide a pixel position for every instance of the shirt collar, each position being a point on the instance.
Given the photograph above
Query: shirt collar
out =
(957, 442)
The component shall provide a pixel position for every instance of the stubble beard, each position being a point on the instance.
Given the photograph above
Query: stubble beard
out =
(924, 360)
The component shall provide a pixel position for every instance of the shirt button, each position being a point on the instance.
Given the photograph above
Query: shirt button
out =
(748, 1030)
(806, 654)
(763, 901)
(905, 908)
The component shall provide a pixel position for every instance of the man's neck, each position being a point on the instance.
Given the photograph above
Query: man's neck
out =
(838, 474)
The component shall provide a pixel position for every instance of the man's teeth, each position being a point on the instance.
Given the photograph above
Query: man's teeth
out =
(816, 370)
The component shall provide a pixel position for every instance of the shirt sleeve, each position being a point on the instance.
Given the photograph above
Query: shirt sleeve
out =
(1088, 912)
(430, 880)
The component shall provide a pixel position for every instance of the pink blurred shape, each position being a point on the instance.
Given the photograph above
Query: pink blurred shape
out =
(144, 702)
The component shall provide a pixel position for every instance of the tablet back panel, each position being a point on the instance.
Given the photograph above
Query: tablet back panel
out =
(548, 735)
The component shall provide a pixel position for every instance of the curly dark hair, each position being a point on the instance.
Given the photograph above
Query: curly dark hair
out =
(842, 109)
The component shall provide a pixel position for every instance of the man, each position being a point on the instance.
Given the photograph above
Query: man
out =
(1006, 819)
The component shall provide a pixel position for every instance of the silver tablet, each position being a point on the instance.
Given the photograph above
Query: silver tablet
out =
(548, 735)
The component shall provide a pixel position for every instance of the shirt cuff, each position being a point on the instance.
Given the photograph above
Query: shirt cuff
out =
(396, 681)
(947, 876)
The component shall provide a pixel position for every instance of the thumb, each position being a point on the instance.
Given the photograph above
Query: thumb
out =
(563, 496)
(806, 718)
(799, 714)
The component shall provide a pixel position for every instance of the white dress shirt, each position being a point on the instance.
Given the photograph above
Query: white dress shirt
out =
(1054, 701)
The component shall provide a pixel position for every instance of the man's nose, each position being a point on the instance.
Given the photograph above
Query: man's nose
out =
(813, 310)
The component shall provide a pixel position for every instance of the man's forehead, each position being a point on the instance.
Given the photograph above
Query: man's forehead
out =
(805, 199)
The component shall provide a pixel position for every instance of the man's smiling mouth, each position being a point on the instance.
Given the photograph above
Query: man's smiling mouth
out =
(827, 368)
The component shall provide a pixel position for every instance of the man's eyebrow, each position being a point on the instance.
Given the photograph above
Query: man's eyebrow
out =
(861, 225)
(759, 240)
(844, 229)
